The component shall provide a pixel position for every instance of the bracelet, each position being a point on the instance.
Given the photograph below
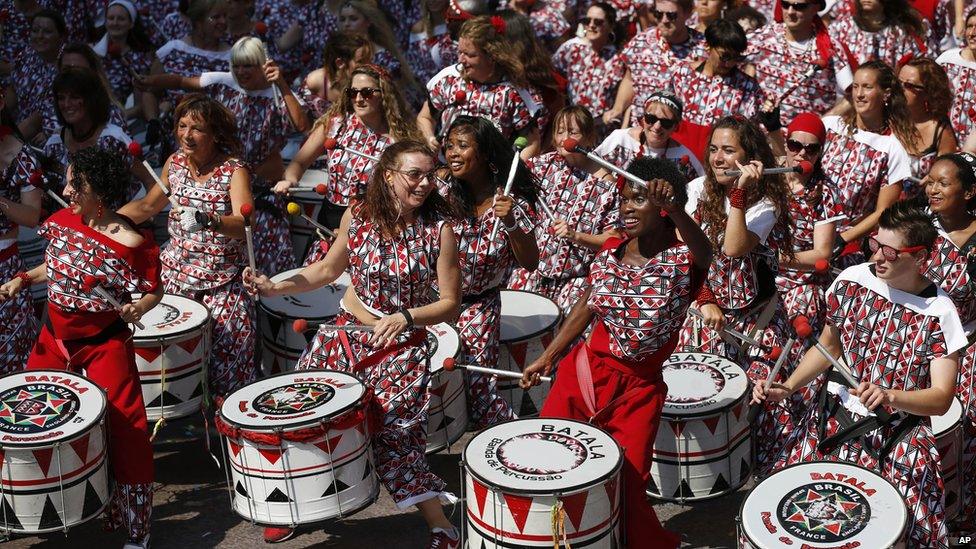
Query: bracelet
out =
(705, 295)
(737, 198)
(509, 228)
(409, 317)
(26, 278)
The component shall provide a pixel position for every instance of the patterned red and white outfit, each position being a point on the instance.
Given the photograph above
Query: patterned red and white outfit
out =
(18, 324)
(962, 77)
(112, 138)
(954, 270)
(592, 78)
(548, 22)
(888, 337)
(649, 57)
(174, 26)
(262, 127)
(15, 38)
(119, 68)
(180, 58)
(620, 149)
(32, 79)
(743, 287)
(889, 44)
(485, 264)
(85, 334)
(510, 109)
(389, 275)
(590, 205)
(428, 55)
(206, 266)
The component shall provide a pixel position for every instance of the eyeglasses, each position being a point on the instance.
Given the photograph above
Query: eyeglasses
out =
(661, 15)
(367, 93)
(795, 146)
(889, 253)
(917, 88)
(798, 6)
(666, 123)
(587, 21)
(416, 176)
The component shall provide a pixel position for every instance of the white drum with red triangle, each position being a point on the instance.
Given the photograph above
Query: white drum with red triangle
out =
(447, 414)
(281, 345)
(171, 355)
(54, 470)
(529, 482)
(298, 448)
(947, 429)
(703, 447)
(529, 323)
(823, 504)
(302, 232)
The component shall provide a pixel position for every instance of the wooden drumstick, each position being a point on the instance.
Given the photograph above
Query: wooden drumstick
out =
(450, 364)
(780, 359)
(300, 325)
(90, 283)
(734, 333)
(520, 143)
(294, 209)
(332, 144)
(246, 211)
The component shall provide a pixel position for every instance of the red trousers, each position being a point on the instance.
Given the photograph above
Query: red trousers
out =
(110, 365)
(636, 397)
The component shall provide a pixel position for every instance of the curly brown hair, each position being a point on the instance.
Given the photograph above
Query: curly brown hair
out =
(711, 206)
(938, 91)
(221, 121)
(895, 113)
(482, 34)
(395, 112)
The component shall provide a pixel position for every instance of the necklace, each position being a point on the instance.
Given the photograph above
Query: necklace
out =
(199, 171)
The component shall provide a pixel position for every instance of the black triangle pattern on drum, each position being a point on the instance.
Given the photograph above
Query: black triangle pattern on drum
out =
(277, 496)
(336, 487)
(744, 469)
(49, 516)
(528, 406)
(241, 490)
(275, 323)
(197, 391)
(9, 517)
(166, 397)
(652, 486)
(683, 491)
(92, 502)
(720, 485)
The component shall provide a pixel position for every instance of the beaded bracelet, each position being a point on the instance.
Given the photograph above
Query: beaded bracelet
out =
(737, 198)
(25, 277)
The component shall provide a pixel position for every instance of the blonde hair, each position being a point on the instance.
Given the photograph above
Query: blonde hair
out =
(381, 33)
(482, 33)
(402, 126)
(249, 50)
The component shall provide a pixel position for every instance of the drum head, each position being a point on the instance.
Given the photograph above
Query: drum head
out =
(542, 456)
(949, 420)
(41, 407)
(292, 399)
(526, 315)
(701, 384)
(305, 191)
(317, 305)
(444, 343)
(824, 504)
(173, 316)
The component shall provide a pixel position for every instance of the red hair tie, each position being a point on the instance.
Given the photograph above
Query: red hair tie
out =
(379, 70)
(498, 24)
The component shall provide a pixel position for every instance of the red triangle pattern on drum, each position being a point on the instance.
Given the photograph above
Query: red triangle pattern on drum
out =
(519, 507)
(832, 527)
(736, 411)
(711, 423)
(271, 454)
(149, 354)
(43, 458)
(611, 487)
(329, 446)
(517, 352)
(439, 391)
(574, 506)
(190, 345)
(234, 447)
(480, 494)
(80, 446)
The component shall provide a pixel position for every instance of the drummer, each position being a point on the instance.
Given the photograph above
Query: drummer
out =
(397, 244)
(899, 335)
(92, 246)
(633, 332)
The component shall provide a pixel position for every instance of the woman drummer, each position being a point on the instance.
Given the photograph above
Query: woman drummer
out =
(396, 244)
(632, 331)
(93, 249)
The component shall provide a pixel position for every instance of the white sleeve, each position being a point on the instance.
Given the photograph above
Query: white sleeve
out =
(760, 219)
(899, 164)
(695, 188)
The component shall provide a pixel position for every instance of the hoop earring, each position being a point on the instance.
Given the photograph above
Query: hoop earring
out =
(493, 168)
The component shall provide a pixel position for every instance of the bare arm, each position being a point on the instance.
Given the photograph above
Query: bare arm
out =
(625, 94)
(534, 137)
(448, 305)
(240, 194)
(888, 196)
(27, 212)
(572, 328)
(823, 241)
(426, 122)
(933, 401)
(143, 209)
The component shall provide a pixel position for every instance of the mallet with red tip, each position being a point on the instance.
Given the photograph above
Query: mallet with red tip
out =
(294, 209)
(90, 283)
(780, 356)
(135, 151)
(822, 266)
(300, 325)
(450, 364)
(331, 144)
(572, 145)
(261, 29)
(520, 143)
(36, 179)
(803, 167)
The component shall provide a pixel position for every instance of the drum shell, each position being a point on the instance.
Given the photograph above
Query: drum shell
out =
(524, 336)
(31, 248)
(447, 413)
(303, 234)
(949, 440)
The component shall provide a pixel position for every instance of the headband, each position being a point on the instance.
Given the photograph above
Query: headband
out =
(133, 14)
(808, 122)
(667, 99)
(964, 159)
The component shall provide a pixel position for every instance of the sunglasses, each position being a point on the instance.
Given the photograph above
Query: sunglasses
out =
(416, 176)
(367, 93)
(795, 146)
(798, 6)
(889, 253)
(661, 15)
(666, 123)
(587, 21)
(917, 88)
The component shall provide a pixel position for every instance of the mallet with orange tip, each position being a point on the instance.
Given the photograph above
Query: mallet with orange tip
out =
(300, 325)
(135, 151)
(780, 356)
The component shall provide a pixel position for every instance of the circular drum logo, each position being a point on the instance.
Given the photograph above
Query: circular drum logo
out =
(36, 407)
(293, 398)
(691, 382)
(542, 453)
(825, 512)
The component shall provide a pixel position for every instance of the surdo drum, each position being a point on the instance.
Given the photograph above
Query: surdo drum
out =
(947, 429)
(282, 346)
(171, 355)
(31, 248)
(823, 504)
(702, 449)
(529, 323)
(542, 482)
(447, 415)
(298, 448)
(54, 473)
(302, 232)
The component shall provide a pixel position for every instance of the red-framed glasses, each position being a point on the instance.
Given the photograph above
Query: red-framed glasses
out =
(890, 253)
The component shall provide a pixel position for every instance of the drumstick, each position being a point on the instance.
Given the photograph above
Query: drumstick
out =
(37, 180)
(450, 364)
(331, 144)
(819, 65)
(780, 360)
(734, 333)
(572, 145)
(300, 325)
(90, 283)
(261, 28)
(803, 329)
(520, 143)
(246, 211)
(546, 210)
(294, 209)
(135, 151)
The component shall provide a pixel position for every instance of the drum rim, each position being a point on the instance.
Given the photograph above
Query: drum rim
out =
(457, 354)
(616, 469)
(715, 411)
(299, 424)
(955, 424)
(183, 331)
(99, 418)
(534, 335)
(263, 307)
(901, 499)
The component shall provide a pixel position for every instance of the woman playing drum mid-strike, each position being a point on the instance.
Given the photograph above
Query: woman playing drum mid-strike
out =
(613, 378)
(396, 244)
(93, 250)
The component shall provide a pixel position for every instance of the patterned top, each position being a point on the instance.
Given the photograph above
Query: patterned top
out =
(112, 138)
(861, 164)
(391, 274)
(15, 37)
(14, 181)
(180, 58)
(649, 56)
(962, 76)
(642, 307)
(592, 77)
(706, 99)
(954, 270)
(589, 204)
(806, 218)
(205, 259)
(548, 22)
(32, 79)
(174, 26)
(621, 149)
(889, 44)
(428, 55)
(511, 109)
(348, 173)
(119, 70)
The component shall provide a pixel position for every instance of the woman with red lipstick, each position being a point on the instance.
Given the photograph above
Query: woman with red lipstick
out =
(663, 252)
